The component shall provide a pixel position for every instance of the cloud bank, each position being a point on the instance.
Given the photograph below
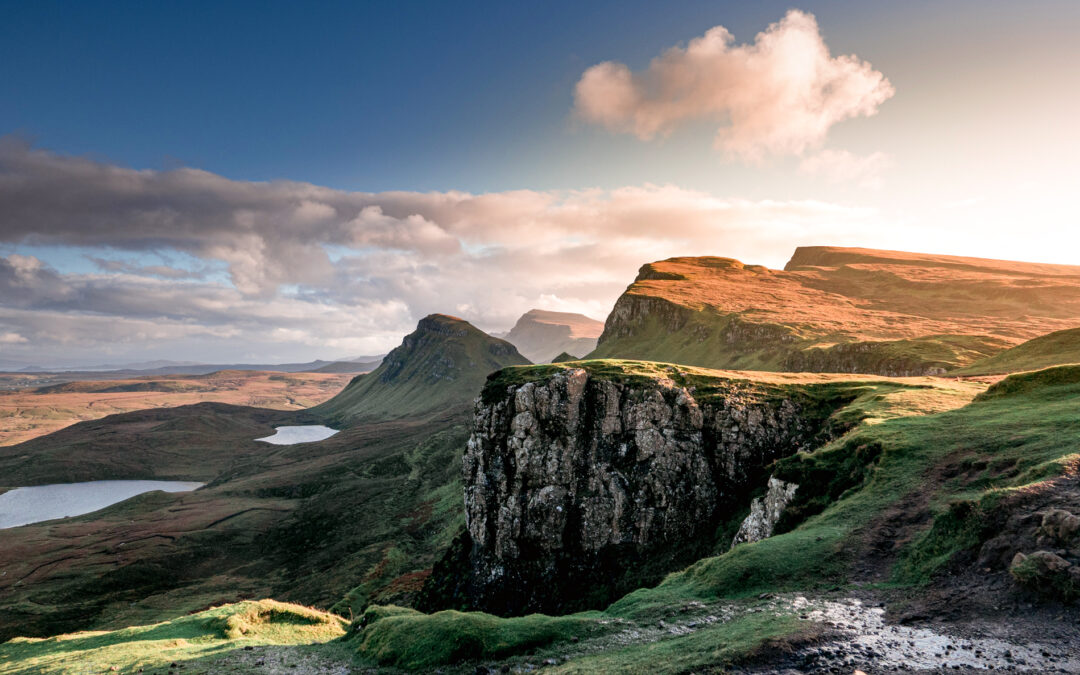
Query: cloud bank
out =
(293, 270)
(779, 95)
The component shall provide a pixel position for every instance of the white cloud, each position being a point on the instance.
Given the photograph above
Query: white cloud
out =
(841, 166)
(397, 256)
(11, 339)
(778, 95)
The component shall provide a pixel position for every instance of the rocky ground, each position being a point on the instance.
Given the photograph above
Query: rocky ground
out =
(849, 634)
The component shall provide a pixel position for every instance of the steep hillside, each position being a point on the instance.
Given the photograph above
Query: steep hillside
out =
(588, 480)
(440, 365)
(934, 538)
(1058, 348)
(839, 310)
(359, 516)
(540, 334)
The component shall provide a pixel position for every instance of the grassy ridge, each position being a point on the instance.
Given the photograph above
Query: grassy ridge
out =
(440, 366)
(1059, 348)
(203, 637)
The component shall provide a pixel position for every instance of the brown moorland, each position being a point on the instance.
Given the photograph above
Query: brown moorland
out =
(839, 309)
(27, 413)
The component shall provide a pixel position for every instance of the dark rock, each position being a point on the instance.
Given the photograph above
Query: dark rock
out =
(579, 489)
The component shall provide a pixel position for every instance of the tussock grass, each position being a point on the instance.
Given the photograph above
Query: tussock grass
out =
(405, 638)
(206, 634)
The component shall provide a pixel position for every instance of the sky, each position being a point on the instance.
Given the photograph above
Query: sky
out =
(280, 181)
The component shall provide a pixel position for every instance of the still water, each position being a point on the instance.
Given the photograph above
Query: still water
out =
(26, 505)
(303, 434)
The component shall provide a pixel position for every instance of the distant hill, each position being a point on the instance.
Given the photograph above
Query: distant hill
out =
(540, 334)
(441, 365)
(563, 357)
(839, 310)
(317, 366)
(348, 367)
(1056, 349)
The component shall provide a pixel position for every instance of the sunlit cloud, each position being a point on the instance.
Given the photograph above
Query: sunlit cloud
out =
(778, 95)
(843, 167)
(396, 256)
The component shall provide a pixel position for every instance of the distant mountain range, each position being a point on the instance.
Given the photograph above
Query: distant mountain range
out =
(541, 335)
(194, 368)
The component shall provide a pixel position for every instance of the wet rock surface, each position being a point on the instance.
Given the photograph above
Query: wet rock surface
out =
(579, 489)
(861, 639)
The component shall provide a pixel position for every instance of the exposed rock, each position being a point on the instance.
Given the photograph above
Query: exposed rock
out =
(580, 488)
(1046, 573)
(765, 512)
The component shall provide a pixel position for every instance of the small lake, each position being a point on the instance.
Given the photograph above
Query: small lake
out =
(303, 434)
(26, 505)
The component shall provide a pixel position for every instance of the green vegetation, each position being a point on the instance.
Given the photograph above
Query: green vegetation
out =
(717, 646)
(409, 639)
(1059, 348)
(440, 366)
(956, 462)
(204, 635)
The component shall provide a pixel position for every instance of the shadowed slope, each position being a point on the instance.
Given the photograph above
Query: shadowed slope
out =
(1056, 349)
(440, 365)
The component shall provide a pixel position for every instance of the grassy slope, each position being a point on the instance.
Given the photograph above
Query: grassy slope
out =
(441, 365)
(1059, 348)
(203, 637)
(838, 310)
(1022, 431)
(363, 514)
(356, 518)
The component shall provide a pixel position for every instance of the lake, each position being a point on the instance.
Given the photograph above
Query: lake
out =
(302, 434)
(26, 505)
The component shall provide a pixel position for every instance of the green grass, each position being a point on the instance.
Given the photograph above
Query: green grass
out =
(405, 638)
(996, 443)
(441, 365)
(717, 646)
(206, 634)
(728, 341)
(1058, 348)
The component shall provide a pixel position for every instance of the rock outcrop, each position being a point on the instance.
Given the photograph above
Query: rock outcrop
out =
(582, 486)
(765, 512)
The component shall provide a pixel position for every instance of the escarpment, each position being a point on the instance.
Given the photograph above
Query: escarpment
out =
(583, 484)
(838, 310)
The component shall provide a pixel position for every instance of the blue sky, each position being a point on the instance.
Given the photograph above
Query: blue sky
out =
(411, 95)
(405, 107)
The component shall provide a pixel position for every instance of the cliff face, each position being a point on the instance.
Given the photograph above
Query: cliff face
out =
(838, 310)
(580, 487)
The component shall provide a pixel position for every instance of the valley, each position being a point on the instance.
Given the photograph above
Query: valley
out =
(34, 409)
(475, 512)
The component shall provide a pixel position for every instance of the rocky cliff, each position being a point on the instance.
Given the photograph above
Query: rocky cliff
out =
(585, 482)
